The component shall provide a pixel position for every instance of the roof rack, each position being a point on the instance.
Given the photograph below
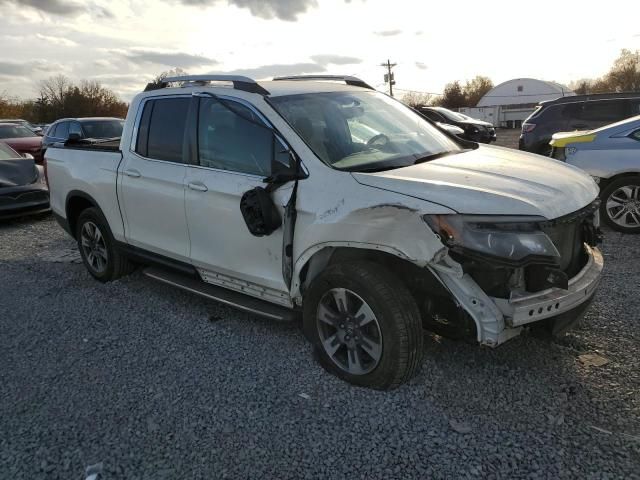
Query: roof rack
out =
(239, 82)
(348, 79)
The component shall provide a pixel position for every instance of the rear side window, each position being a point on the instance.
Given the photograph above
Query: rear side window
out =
(433, 116)
(604, 110)
(161, 130)
(232, 137)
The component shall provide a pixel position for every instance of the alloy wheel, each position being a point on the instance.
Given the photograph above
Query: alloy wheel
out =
(94, 247)
(623, 206)
(349, 331)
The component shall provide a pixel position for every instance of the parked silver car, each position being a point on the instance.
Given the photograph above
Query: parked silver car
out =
(610, 154)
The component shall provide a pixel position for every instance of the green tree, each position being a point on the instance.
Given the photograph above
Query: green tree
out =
(453, 96)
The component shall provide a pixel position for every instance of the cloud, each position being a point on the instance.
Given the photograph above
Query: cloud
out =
(388, 33)
(56, 7)
(287, 10)
(421, 65)
(266, 71)
(68, 8)
(65, 42)
(166, 57)
(26, 69)
(335, 60)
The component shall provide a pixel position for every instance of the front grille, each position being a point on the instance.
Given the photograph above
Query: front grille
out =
(569, 233)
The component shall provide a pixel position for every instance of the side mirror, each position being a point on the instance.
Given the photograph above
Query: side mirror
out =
(28, 156)
(74, 137)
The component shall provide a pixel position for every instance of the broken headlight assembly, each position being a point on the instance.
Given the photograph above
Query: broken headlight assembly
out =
(510, 239)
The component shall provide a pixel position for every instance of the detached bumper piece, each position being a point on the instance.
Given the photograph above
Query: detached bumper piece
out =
(528, 308)
(23, 202)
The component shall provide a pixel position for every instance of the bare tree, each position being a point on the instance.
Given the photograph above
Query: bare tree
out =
(475, 89)
(416, 99)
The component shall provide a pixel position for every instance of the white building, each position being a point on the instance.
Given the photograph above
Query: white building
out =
(508, 104)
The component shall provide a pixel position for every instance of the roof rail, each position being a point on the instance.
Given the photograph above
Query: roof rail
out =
(239, 82)
(348, 79)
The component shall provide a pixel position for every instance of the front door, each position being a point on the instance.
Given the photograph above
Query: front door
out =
(234, 155)
(151, 187)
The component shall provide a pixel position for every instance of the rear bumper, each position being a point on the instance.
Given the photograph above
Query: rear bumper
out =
(23, 202)
(529, 308)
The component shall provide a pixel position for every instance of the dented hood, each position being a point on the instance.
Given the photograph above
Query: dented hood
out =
(17, 172)
(492, 181)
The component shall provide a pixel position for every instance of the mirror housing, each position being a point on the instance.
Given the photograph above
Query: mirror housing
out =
(28, 156)
(74, 137)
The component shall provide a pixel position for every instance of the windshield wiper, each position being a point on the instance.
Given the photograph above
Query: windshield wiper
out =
(434, 156)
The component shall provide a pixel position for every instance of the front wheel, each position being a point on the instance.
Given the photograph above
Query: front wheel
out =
(364, 325)
(620, 207)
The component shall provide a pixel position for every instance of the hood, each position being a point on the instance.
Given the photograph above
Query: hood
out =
(17, 172)
(492, 181)
(562, 139)
(26, 144)
(476, 122)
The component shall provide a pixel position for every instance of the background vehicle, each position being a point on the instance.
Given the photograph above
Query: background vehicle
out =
(474, 130)
(90, 127)
(34, 128)
(22, 140)
(612, 155)
(23, 189)
(579, 112)
(337, 202)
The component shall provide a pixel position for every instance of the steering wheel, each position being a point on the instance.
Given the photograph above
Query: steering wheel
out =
(376, 138)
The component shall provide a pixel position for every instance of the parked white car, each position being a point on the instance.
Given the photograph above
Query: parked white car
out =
(338, 202)
(611, 154)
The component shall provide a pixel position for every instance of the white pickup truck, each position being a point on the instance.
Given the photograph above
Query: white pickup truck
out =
(323, 197)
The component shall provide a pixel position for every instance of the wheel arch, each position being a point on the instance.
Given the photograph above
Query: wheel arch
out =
(76, 202)
(604, 182)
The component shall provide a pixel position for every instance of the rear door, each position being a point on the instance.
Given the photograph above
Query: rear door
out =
(234, 154)
(151, 179)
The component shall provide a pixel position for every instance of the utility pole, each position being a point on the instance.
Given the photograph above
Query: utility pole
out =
(388, 77)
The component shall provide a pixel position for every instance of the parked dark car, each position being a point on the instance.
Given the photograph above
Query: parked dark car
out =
(579, 112)
(25, 123)
(21, 139)
(23, 189)
(94, 127)
(474, 129)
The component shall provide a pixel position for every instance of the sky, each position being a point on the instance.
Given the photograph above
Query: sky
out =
(125, 43)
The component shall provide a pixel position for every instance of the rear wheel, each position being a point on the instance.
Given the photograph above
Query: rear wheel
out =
(620, 207)
(97, 247)
(364, 325)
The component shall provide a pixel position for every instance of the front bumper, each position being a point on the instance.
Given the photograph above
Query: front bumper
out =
(527, 308)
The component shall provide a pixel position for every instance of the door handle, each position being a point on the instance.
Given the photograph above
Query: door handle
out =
(197, 186)
(132, 173)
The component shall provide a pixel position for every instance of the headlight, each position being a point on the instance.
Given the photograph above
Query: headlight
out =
(512, 238)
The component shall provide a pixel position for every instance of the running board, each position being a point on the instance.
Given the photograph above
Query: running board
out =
(222, 295)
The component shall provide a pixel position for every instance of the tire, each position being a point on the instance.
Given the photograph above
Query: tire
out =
(381, 330)
(620, 207)
(99, 255)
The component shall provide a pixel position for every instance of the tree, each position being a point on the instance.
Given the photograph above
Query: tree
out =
(475, 89)
(453, 97)
(416, 99)
(624, 76)
(159, 79)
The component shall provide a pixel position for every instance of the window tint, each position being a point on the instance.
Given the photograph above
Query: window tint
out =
(62, 130)
(231, 137)
(603, 111)
(433, 116)
(74, 127)
(165, 134)
(635, 107)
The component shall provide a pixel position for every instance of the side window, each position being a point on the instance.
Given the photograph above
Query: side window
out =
(62, 130)
(635, 108)
(433, 116)
(636, 135)
(52, 130)
(167, 119)
(74, 127)
(231, 137)
(603, 111)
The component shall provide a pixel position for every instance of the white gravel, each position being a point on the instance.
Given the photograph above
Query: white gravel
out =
(156, 383)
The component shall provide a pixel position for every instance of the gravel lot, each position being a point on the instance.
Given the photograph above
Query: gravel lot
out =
(156, 383)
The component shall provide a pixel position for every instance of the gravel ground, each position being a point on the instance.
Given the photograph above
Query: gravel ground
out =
(156, 383)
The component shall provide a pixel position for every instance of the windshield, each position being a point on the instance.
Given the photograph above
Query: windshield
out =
(7, 153)
(451, 115)
(363, 131)
(103, 128)
(15, 131)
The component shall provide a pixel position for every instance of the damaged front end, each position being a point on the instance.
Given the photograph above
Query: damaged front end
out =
(516, 270)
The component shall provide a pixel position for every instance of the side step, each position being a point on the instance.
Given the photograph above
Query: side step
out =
(222, 295)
